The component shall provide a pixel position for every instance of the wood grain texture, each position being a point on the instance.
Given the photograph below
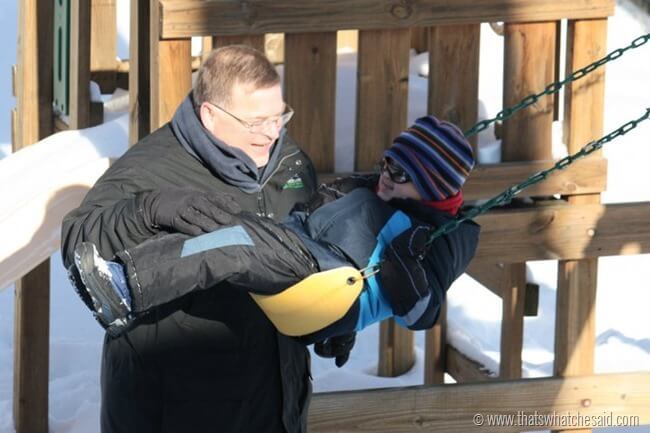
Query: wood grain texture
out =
(382, 92)
(453, 77)
(435, 355)
(79, 64)
(575, 323)
(33, 122)
(529, 57)
(451, 408)
(564, 232)
(139, 68)
(310, 89)
(185, 18)
(103, 35)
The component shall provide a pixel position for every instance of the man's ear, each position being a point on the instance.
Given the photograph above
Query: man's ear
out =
(207, 119)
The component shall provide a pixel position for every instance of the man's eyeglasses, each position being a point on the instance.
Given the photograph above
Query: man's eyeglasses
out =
(260, 126)
(394, 170)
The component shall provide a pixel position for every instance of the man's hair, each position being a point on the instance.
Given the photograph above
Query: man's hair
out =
(226, 66)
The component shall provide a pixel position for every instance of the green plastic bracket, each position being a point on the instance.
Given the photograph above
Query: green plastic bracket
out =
(62, 56)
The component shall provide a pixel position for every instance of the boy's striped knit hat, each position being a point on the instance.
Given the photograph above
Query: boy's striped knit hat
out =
(436, 156)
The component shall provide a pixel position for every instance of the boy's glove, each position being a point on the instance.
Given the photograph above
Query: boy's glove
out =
(190, 211)
(338, 347)
(403, 279)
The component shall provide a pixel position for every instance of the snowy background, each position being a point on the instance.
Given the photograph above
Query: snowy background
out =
(622, 319)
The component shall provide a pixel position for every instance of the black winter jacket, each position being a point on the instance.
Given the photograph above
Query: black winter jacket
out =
(210, 361)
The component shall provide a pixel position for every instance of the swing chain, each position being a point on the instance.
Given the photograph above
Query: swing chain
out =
(506, 196)
(556, 86)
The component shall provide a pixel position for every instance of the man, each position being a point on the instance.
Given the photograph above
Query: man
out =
(210, 361)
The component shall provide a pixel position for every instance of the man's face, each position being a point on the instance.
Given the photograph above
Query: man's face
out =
(253, 106)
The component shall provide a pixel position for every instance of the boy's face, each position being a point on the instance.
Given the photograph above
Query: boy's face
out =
(388, 190)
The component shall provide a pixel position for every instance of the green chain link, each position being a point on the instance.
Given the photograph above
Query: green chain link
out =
(507, 195)
(555, 87)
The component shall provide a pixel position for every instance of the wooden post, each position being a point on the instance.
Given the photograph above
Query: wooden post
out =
(576, 293)
(453, 96)
(529, 66)
(33, 122)
(170, 73)
(79, 64)
(103, 44)
(311, 58)
(139, 67)
(255, 41)
(382, 93)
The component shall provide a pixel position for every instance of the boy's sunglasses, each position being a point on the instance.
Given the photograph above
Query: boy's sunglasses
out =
(394, 171)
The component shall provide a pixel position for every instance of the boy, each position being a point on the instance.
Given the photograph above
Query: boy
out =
(421, 177)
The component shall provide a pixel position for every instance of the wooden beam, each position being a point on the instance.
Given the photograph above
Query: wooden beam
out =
(139, 68)
(79, 64)
(103, 44)
(170, 71)
(464, 369)
(529, 56)
(453, 82)
(311, 58)
(181, 19)
(453, 96)
(582, 177)
(453, 408)
(255, 41)
(382, 94)
(487, 180)
(435, 355)
(34, 90)
(513, 295)
(575, 323)
(564, 232)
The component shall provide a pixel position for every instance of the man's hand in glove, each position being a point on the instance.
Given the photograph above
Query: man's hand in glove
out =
(190, 211)
(338, 347)
(403, 279)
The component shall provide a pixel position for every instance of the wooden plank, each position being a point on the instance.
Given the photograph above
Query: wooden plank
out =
(575, 324)
(103, 35)
(513, 295)
(564, 232)
(529, 53)
(255, 41)
(311, 58)
(453, 83)
(31, 350)
(464, 369)
(224, 17)
(139, 69)
(103, 44)
(420, 39)
(528, 67)
(170, 71)
(382, 93)
(435, 355)
(453, 408)
(453, 96)
(396, 349)
(79, 64)
(487, 180)
(582, 177)
(34, 89)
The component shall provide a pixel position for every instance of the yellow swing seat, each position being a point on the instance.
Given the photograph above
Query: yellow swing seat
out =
(314, 303)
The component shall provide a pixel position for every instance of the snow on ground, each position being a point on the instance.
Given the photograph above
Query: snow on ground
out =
(622, 322)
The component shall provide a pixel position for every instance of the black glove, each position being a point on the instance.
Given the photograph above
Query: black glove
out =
(403, 278)
(190, 211)
(338, 347)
